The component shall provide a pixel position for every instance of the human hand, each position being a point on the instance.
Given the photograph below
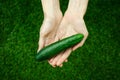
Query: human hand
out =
(52, 18)
(48, 31)
(71, 24)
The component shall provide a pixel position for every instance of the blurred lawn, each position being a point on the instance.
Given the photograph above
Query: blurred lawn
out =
(98, 59)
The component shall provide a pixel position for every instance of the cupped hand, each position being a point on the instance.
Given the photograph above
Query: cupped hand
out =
(48, 31)
(70, 25)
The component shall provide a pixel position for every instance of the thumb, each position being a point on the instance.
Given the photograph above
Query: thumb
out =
(41, 43)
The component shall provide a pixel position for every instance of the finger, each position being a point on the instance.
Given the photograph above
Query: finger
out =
(66, 60)
(40, 44)
(61, 65)
(64, 57)
(57, 58)
(62, 53)
(54, 59)
(51, 64)
(51, 59)
(79, 44)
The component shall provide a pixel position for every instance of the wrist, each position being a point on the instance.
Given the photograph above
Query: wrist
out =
(77, 7)
(51, 8)
(72, 14)
(53, 14)
(77, 14)
(56, 17)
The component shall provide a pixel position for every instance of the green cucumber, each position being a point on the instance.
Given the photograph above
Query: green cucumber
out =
(59, 46)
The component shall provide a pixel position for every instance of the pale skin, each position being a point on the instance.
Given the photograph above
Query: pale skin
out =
(56, 26)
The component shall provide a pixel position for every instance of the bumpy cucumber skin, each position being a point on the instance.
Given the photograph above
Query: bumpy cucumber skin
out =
(59, 46)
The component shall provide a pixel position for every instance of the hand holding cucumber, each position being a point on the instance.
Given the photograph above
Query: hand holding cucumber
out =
(59, 46)
(63, 38)
(69, 27)
(57, 29)
(50, 23)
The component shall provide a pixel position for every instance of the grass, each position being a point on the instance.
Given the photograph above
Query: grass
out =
(98, 59)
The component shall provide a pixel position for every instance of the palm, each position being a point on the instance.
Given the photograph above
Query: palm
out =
(48, 31)
(68, 27)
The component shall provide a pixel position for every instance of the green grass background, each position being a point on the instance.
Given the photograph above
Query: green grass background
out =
(98, 59)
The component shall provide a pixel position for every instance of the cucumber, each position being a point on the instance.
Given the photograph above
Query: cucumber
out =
(57, 47)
